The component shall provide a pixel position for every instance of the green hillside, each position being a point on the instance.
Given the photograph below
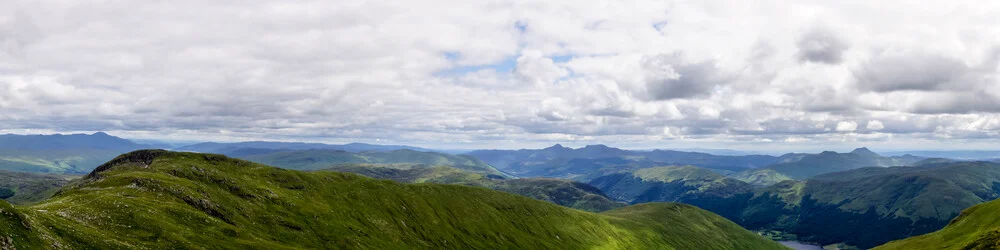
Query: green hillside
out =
(563, 192)
(163, 200)
(316, 159)
(977, 227)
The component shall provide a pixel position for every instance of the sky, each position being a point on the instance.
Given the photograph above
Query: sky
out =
(751, 75)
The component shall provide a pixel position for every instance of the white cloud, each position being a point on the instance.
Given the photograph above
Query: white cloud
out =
(535, 68)
(846, 126)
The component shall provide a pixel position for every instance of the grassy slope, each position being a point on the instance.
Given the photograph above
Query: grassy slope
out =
(158, 199)
(978, 227)
(563, 192)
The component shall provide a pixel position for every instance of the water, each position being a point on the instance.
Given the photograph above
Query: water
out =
(800, 246)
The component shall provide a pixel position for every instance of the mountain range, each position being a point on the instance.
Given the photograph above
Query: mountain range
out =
(802, 166)
(593, 161)
(823, 198)
(69, 154)
(241, 148)
(159, 199)
(316, 159)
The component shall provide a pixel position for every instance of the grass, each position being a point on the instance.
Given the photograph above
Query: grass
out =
(977, 227)
(165, 200)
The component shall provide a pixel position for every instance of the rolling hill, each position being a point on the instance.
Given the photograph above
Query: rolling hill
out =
(315, 159)
(235, 149)
(803, 166)
(160, 199)
(563, 192)
(584, 164)
(687, 184)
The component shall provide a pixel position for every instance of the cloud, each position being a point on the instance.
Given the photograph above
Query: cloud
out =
(669, 76)
(846, 126)
(897, 71)
(821, 45)
(533, 67)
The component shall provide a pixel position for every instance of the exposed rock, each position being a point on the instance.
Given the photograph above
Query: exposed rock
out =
(6, 243)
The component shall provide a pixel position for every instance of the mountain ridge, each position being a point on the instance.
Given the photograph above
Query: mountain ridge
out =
(586, 163)
(162, 199)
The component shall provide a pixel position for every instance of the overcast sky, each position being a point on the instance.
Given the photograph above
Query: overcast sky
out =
(774, 75)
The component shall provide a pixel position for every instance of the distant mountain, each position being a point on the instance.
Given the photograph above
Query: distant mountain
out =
(952, 154)
(71, 154)
(594, 161)
(96, 141)
(315, 159)
(802, 166)
(167, 200)
(563, 192)
(240, 148)
(896, 202)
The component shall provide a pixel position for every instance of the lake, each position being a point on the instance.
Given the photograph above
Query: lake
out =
(800, 246)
